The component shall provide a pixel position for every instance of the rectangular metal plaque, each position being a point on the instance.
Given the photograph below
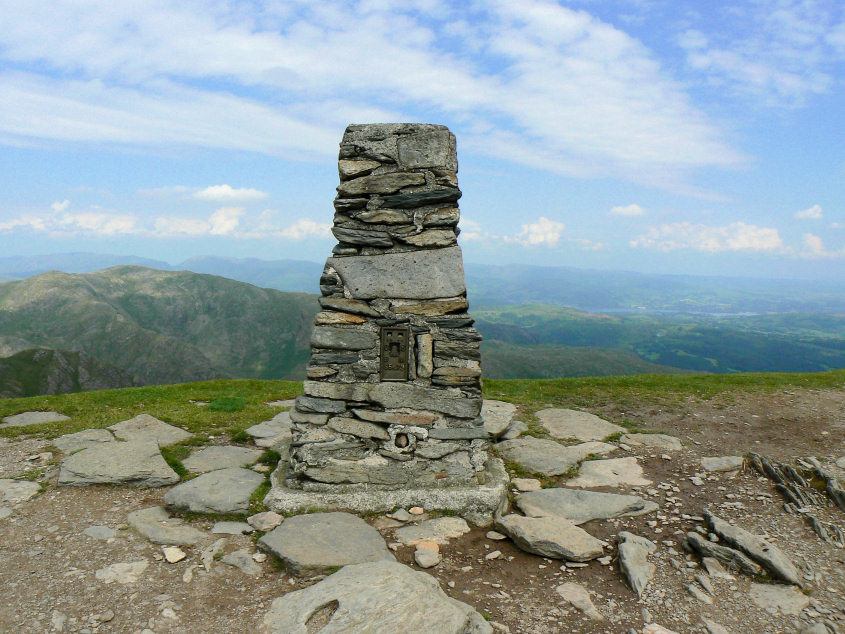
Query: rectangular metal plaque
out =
(394, 353)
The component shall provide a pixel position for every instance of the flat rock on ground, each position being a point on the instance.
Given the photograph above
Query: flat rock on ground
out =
(221, 491)
(220, 457)
(439, 530)
(14, 491)
(373, 597)
(548, 457)
(158, 527)
(614, 472)
(581, 506)
(654, 441)
(571, 423)
(136, 463)
(32, 418)
(554, 537)
(273, 433)
(70, 443)
(721, 463)
(633, 560)
(785, 599)
(576, 595)
(497, 416)
(146, 427)
(317, 542)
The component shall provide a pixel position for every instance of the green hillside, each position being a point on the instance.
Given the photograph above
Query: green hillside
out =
(161, 326)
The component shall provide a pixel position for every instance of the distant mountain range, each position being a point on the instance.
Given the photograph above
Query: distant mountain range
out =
(490, 285)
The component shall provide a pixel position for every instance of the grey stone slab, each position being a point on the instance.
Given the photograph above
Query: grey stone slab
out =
(399, 395)
(761, 551)
(136, 463)
(570, 423)
(14, 491)
(428, 274)
(243, 561)
(317, 542)
(146, 427)
(231, 528)
(653, 441)
(157, 526)
(70, 443)
(33, 418)
(313, 405)
(429, 148)
(731, 558)
(614, 472)
(413, 200)
(477, 503)
(577, 595)
(539, 455)
(439, 530)
(338, 391)
(380, 597)
(554, 537)
(633, 560)
(100, 532)
(342, 338)
(581, 506)
(783, 599)
(380, 183)
(222, 491)
(722, 463)
(497, 416)
(220, 457)
(353, 306)
(359, 428)
(271, 428)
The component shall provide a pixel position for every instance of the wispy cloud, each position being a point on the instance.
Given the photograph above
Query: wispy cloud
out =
(223, 193)
(580, 96)
(814, 248)
(627, 210)
(736, 236)
(813, 213)
(544, 232)
(60, 206)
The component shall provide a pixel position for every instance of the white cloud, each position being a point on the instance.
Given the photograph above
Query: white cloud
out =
(306, 228)
(813, 213)
(222, 193)
(581, 97)
(627, 210)
(98, 223)
(543, 232)
(737, 236)
(814, 248)
(837, 225)
(225, 220)
(60, 206)
(170, 227)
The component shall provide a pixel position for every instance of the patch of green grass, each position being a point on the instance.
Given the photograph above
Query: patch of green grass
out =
(174, 455)
(170, 403)
(30, 474)
(256, 500)
(614, 437)
(228, 404)
(270, 457)
(240, 436)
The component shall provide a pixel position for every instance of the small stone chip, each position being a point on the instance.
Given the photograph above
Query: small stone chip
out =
(496, 536)
(173, 554)
(416, 510)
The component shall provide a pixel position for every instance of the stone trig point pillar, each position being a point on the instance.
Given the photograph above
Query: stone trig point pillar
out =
(391, 414)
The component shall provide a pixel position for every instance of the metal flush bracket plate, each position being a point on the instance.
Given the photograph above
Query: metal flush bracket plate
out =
(394, 353)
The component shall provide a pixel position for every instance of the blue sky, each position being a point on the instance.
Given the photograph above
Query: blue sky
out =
(659, 136)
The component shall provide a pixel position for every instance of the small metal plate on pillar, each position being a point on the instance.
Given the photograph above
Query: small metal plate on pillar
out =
(394, 353)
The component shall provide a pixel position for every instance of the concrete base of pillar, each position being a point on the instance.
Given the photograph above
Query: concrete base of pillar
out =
(477, 504)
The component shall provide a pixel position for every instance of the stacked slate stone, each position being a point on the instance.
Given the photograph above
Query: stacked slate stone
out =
(396, 265)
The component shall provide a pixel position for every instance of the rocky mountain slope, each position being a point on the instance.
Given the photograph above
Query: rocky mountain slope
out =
(161, 326)
(45, 371)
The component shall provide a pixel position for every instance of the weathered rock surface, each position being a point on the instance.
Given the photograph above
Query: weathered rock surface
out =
(761, 551)
(128, 572)
(614, 472)
(69, 443)
(265, 521)
(439, 530)
(243, 561)
(428, 274)
(317, 542)
(427, 558)
(399, 395)
(654, 441)
(554, 537)
(157, 526)
(136, 463)
(539, 455)
(374, 597)
(146, 427)
(497, 416)
(633, 560)
(231, 528)
(100, 532)
(32, 418)
(721, 463)
(576, 595)
(784, 599)
(222, 491)
(731, 558)
(14, 491)
(581, 506)
(220, 457)
(570, 423)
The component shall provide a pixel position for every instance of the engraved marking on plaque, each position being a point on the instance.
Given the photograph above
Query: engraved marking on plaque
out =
(394, 354)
